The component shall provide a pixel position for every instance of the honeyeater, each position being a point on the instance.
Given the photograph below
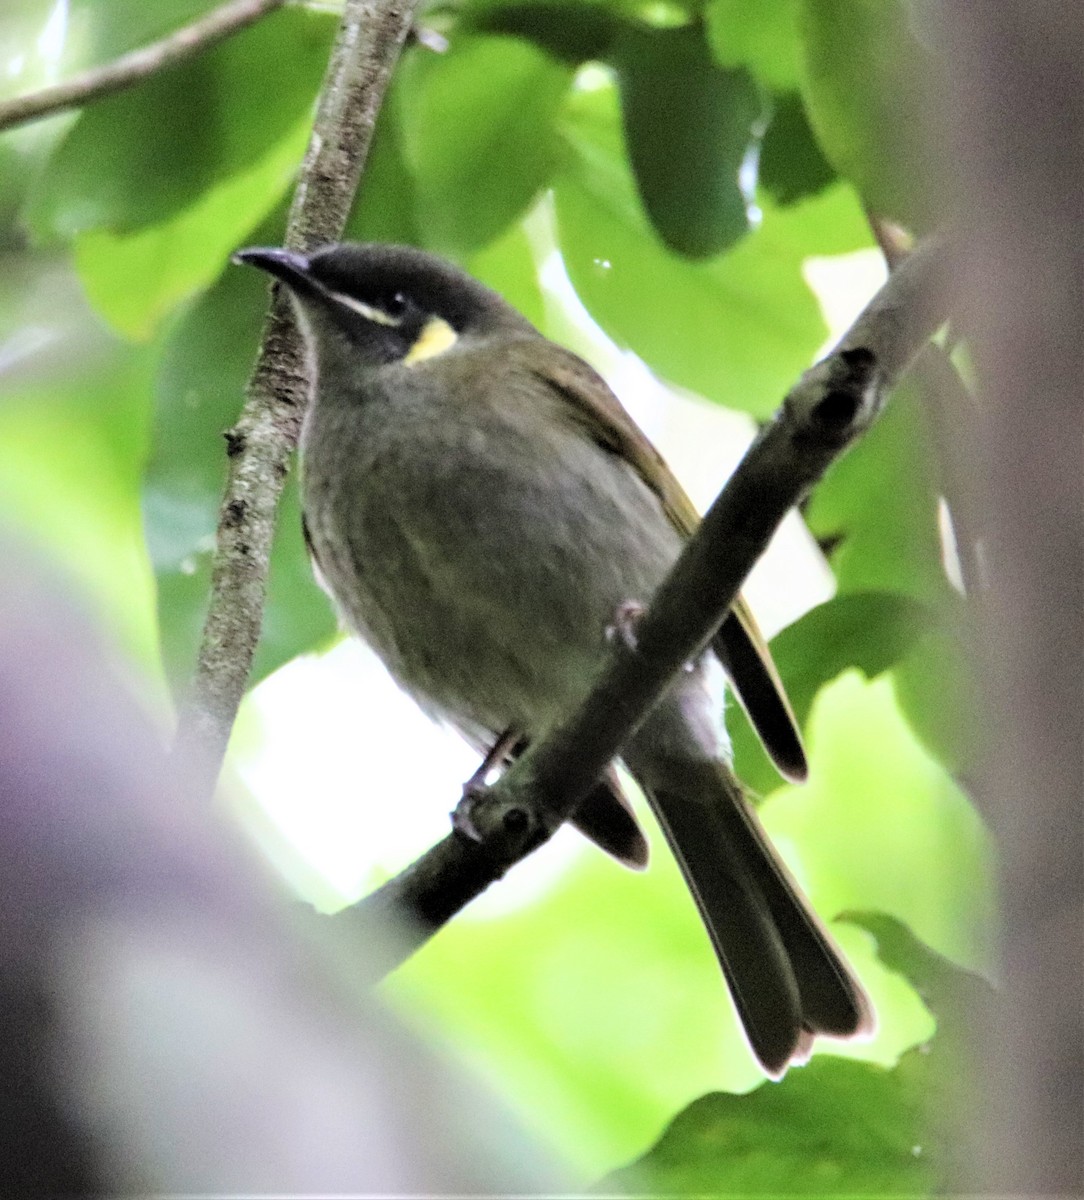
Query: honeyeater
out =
(479, 505)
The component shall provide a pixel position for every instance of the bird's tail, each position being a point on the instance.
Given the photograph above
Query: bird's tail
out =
(788, 979)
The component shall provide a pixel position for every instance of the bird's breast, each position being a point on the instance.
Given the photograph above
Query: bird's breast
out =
(480, 542)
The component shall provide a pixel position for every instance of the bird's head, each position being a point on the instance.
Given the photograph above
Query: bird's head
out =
(377, 304)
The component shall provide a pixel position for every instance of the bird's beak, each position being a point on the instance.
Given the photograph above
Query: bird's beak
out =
(288, 265)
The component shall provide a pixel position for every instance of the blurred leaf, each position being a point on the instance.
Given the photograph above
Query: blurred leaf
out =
(73, 438)
(832, 1128)
(688, 127)
(478, 135)
(100, 30)
(739, 329)
(870, 631)
(953, 994)
(298, 616)
(384, 205)
(201, 380)
(660, 13)
(760, 35)
(881, 825)
(136, 279)
(572, 32)
(15, 175)
(508, 266)
(876, 510)
(944, 1073)
(141, 157)
(940, 696)
(792, 165)
(869, 89)
(27, 53)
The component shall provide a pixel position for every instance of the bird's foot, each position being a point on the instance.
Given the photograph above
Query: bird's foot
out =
(509, 745)
(626, 617)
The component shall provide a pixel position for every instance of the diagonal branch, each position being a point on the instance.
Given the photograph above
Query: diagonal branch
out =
(833, 403)
(130, 69)
(366, 50)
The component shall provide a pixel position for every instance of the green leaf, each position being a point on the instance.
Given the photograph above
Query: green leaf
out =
(688, 126)
(869, 86)
(508, 266)
(478, 135)
(876, 510)
(739, 329)
(144, 156)
(100, 30)
(201, 379)
(954, 995)
(792, 165)
(832, 1128)
(136, 279)
(940, 696)
(572, 32)
(870, 631)
(74, 418)
(882, 826)
(760, 35)
(944, 1073)
(384, 207)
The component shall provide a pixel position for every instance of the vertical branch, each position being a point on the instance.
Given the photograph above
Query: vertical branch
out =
(1018, 79)
(259, 446)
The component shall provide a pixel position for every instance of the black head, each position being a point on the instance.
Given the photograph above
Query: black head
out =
(389, 303)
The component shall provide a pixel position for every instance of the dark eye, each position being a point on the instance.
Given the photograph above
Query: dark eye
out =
(396, 304)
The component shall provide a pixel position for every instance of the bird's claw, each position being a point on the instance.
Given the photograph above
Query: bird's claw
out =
(626, 617)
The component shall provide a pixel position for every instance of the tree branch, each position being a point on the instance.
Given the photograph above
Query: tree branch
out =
(1017, 111)
(957, 424)
(130, 69)
(833, 403)
(259, 446)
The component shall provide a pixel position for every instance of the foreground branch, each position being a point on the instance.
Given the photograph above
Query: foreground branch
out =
(133, 68)
(834, 403)
(366, 49)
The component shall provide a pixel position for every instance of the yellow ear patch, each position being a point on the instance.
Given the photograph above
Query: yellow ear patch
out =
(436, 337)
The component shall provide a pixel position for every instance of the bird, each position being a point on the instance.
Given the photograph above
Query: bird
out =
(479, 505)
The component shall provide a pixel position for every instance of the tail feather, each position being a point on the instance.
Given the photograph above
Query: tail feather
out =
(606, 817)
(744, 654)
(833, 1001)
(788, 979)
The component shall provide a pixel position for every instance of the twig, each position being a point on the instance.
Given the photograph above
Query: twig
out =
(831, 405)
(130, 69)
(956, 421)
(259, 446)
(959, 429)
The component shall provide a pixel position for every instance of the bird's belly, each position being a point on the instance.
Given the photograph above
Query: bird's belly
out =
(484, 565)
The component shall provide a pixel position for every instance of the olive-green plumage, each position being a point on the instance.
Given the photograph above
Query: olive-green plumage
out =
(480, 506)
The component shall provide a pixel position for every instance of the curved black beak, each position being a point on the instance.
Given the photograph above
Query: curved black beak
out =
(288, 265)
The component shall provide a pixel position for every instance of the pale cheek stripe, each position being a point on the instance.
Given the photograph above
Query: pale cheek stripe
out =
(370, 314)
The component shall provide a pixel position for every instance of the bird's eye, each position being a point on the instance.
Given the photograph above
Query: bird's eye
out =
(395, 305)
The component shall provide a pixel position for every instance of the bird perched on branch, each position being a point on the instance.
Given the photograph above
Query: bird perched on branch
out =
(479, 505)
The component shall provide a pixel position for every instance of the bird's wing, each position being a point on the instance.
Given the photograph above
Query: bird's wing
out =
(739, 644)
